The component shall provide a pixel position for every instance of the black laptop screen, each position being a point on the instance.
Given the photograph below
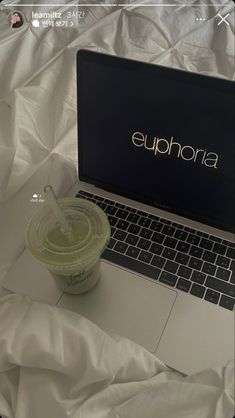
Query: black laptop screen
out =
(161, 136)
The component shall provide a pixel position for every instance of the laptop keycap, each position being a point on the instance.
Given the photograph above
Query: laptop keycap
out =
(134, 229)
(168, 278)
(108, 201)
(193, 239)
(120, 247)
(156, 226)
(120, 235)
(202, 234)
(216, 239)
(133, 217)
(205, 243)
(156, 248)
(223, 274)
(153, 217)
(219, 249)
(198, 277)
(182, 235)
(112, 220)
(84, 193)
(195, 263)
(221, 286)
(197, 290)
(183, 284)
(209, 256)
(111, 210)
(169, 253)
(145, 256)
(121, 213)
(120, 205)
(183, 246)
(212, 296)
(195, 251)
(186, 228)
(100, 198)
(171, 266)
(227, 302)
(122, 225)
(182, 258)
(165, 221)
(133, 251)
(232, 266)
(144, 221)
(168, 230)
(102, 205)
(208, 268)
(222, 261)
(111, 243)
(132, 239)
(158, 261)
(231, 253)
(170, 242)
(157, 237)
(232, 278)
(141, 213)
(145, 233)
(143, 244)
(178, 226)
(184, 272)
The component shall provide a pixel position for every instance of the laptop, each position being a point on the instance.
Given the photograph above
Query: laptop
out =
(156, 153)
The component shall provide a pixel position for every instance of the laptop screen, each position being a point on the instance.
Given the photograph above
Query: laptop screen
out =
(161, 136)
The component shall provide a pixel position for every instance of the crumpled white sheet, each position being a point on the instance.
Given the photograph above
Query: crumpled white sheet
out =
(57, 364)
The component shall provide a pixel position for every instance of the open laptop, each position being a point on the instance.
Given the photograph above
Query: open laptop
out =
(156, 153)
(155, 149)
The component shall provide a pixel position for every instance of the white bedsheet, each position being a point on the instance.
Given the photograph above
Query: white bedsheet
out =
(53, 363)
(57, 364)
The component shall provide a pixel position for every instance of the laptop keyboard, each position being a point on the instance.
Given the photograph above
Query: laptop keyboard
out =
(170, 253)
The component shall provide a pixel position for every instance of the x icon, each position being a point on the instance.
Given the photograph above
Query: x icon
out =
(223, 19)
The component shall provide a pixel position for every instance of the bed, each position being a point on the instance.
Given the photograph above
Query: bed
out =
(38, 146)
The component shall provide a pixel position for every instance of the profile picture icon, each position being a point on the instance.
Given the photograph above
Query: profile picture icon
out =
(16, 19)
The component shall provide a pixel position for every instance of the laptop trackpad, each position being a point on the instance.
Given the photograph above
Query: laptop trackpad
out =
(125, 303)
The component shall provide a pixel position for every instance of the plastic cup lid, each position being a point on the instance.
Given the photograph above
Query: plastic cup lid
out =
(90, 234)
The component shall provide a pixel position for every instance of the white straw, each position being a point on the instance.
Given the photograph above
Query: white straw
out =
(52, 201)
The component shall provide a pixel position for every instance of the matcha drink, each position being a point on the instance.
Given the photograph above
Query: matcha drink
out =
(70, 248)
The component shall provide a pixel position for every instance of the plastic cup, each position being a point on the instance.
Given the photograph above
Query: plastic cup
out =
(74, 265)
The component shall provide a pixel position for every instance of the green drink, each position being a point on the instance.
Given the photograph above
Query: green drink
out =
(73, 259)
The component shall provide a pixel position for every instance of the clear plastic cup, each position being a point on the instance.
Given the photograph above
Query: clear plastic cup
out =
(75, 264)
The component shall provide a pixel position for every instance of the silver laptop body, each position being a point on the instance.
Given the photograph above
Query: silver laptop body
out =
(167, 278)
